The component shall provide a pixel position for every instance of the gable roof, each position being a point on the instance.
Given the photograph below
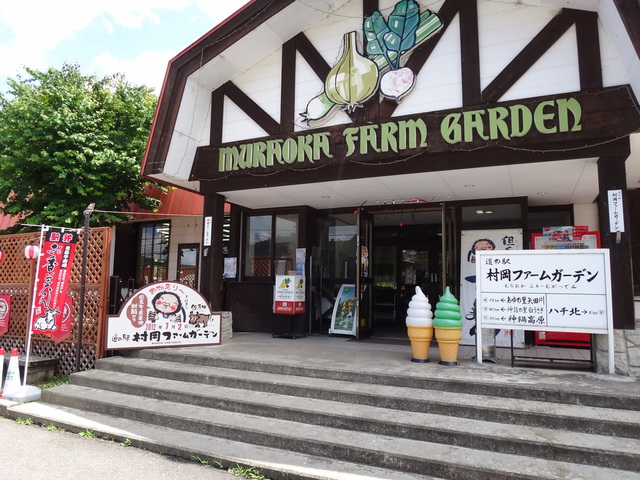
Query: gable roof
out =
(260, 28)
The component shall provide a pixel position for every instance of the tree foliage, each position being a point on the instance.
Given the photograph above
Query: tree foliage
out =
(68, 140)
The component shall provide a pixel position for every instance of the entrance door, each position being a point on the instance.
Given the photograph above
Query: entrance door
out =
(407, 254)
(187, 269)
(450, 249)
(364, 275)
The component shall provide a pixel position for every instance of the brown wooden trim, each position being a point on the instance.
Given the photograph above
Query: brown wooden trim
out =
(549, 35)
(589, 58)
(470, 53)
(316, 61)
(212, 262)
(217, 116)
(426, 162)
(422, 53)
(629, 11)
(251, 108)
(606, 114)
(163, 123)
(612, 176)
(288, 87)
(200, 52)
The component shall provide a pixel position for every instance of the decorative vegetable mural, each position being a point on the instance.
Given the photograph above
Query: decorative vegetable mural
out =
(355, 78)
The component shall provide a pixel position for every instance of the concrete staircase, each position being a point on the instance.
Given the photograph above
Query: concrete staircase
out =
(296, 421)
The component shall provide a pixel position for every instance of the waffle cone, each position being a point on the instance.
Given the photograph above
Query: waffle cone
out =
(448, 341)
(420, 341)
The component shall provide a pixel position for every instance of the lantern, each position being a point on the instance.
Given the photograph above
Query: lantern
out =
(2, 255)
(31, 251)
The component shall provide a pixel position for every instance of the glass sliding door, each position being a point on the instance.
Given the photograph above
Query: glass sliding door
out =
(364, 275)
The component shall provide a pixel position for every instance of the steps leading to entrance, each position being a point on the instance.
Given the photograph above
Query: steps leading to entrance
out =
(317, 422)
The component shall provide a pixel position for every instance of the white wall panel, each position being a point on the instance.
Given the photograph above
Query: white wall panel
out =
(438, 85)
(556, 72)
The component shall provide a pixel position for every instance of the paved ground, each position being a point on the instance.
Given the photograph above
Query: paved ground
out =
(31, 452)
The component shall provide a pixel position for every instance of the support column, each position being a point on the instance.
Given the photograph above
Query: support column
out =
(612, 176)
(212, 261)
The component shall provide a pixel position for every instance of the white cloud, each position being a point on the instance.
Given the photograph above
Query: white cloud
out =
(30, 31)
(148, 68)
(218, 11)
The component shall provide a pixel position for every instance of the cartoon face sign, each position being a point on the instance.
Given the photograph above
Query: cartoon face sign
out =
(481, 244)
(167, 303)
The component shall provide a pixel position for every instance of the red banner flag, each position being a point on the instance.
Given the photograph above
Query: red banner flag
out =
(54, 274)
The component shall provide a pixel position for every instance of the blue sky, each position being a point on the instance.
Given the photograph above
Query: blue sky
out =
(133, 37)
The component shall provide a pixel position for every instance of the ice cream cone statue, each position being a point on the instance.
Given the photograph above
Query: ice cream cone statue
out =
(420, 326)
(448, 325)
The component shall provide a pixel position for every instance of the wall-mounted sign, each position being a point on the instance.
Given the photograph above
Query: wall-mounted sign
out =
(514, 124)
(545, 290)
(165, 314)
(616, 214)
(357, 77)
(206, 231)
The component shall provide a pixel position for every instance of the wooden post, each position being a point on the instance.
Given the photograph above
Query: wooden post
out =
(212, 259)
(612, 176)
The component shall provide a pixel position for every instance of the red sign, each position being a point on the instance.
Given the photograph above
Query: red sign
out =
(52, 308)
(5, 312)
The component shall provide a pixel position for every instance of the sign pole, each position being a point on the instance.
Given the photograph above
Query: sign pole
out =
(83, 278)
(33, 305)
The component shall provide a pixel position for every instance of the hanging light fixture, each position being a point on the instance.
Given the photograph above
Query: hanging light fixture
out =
(31, 251)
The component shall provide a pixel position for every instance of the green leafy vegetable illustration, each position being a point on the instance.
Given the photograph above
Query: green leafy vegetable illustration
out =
(403, 23)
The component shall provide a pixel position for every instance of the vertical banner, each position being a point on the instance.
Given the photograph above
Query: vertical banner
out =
(5, 314)
(471, 242)
(51, 309)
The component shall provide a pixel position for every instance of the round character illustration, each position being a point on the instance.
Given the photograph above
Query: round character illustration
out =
(167, 306)
(481, 244)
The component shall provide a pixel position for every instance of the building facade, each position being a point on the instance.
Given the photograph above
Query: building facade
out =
(379, 143)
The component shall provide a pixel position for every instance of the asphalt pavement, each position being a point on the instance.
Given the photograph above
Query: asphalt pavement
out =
(32, 452)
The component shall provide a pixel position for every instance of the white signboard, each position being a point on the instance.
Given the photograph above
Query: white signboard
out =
(206, 232)
(549, 290)
(289, 296)
(616, 214)
(165, 314)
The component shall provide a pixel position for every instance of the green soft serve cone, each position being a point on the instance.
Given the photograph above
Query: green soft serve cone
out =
(448, 327)
(447, 314)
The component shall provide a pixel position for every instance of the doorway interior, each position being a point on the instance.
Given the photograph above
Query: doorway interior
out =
(407, 246)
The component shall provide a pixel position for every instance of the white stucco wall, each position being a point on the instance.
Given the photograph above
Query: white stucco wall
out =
(183, 230)
(587, 214)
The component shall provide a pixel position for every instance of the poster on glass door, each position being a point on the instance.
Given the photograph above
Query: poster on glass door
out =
(471, 242)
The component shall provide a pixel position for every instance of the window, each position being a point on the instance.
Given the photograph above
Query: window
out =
(265, 257)
(187, 271)
(153, 253)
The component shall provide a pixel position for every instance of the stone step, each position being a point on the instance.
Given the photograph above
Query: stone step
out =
(214, 450)
(552, 444)
(511, 383)
(576, 418)
(360, 448)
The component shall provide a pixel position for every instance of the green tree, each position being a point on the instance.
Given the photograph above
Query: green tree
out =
(68, 140)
